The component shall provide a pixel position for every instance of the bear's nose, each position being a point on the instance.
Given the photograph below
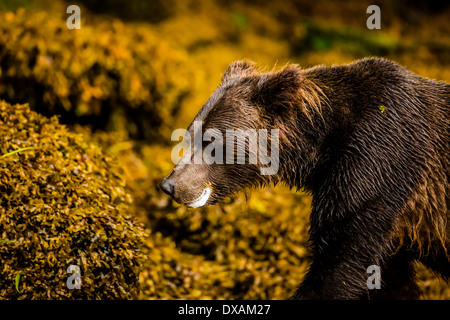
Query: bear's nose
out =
(167, 186)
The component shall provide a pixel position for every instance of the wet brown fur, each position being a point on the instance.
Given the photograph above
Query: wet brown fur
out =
(370, 141)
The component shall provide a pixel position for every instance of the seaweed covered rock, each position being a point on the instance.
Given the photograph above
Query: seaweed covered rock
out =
(107, 74)
(62, 202)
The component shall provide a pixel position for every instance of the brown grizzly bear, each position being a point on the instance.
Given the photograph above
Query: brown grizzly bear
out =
(370, 142)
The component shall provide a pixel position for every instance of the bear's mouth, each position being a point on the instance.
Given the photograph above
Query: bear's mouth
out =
(200, 201)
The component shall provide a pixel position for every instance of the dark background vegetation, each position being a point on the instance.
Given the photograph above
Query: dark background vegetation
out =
(137, 70)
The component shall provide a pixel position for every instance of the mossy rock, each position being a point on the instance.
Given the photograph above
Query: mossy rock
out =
(62, 202)
(107, 74)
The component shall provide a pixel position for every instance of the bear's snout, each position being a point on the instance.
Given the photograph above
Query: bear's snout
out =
(187, 185)
(168, 187)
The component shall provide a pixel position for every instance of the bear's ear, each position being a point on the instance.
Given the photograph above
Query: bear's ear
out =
(277, 89)
(239, 69)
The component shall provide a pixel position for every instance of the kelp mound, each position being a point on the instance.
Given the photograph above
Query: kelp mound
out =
(107, 74)
(62, 202)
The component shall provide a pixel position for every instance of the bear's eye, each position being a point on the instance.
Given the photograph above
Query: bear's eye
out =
(207, 143)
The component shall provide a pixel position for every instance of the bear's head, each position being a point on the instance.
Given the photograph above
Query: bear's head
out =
(236, 138)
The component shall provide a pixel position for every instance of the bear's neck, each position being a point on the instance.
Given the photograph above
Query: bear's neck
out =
(306, 137)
